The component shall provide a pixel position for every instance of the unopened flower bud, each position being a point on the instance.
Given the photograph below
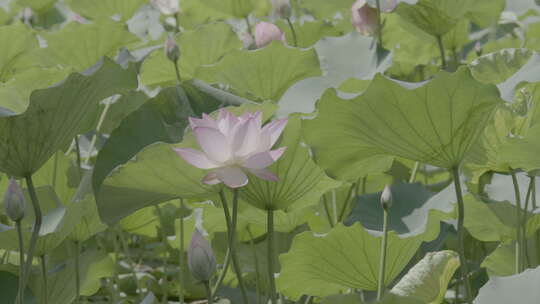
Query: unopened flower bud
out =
(201, 259)
(266, 32)
(167, 7)
(386, 198)
(365, 18)
(14, 201)
(282, 8)
(478, 48)
(171, 49)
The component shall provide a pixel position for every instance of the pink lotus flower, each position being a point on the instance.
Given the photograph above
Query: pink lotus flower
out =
(365, 18)
(167, 7)
(266, 32)
(233, 145)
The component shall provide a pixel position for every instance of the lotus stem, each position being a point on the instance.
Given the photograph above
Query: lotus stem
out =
(527, 260)
(177, 72)
(38, 218)
(353, 191)
(460, 234)
(209, 295)
(379, 24)
(21, 261)
(44, 277)
(414, 172)
(382, 263)
(231, 228)
(177, 20)
(224, 271)
(327, 211)
(77, 271)
(256, 262)
(78, 151)
(181, 263)
(293, 31)
(250, 31)
(271, 256)
(98, 128)
(519, 240)
(441, 50)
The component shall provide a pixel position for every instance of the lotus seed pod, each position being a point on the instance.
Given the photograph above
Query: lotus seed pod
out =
(14, 201)
(171, 49)
(201, 259)
(386, 198)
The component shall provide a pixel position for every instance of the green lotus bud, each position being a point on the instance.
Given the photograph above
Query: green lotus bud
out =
(201, 259)
(386, 198)
(14, 201)
(171, 49)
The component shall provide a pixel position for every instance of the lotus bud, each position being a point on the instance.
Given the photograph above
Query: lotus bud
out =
(386, 198)
(171, 49)
(282, 8)
(247, 40)
(14, 201)
(201, 259)
(266, 32)
(365, 18)
(167, 7)
(478, 48)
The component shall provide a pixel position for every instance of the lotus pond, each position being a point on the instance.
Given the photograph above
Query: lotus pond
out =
(269, 151)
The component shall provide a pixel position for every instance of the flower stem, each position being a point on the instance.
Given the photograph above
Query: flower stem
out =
(441, 50)
(38, 218)
(379, 24)
(293, 31)
(98, 128)
(77, 272)
(177, 71)
(181, 260)
(327, 211)
(209, 295)
(256, 262)
(414, 172)
(21, 261)
(353, 190)
(231, 228)
(223, 271)
(177, 21)
(519, 241)
(382, 263)
(44, 277)
(271, 256)
(250, 31)
(460, 234)
(527, 260)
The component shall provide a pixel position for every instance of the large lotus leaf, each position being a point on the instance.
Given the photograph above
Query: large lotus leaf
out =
(56, 173)
(15, 93)
(414, 210)
(498, 66)
(435, 123)
(264, 73)
(522, 287)
(308, 33)
(301, 181)
(428, 280)
(202, 46)
(89, 223)
(80, 46)
(322, 9)
(346, 257)
(493, 221)
(195, 13)
(40, 6)
(529, 72)
(106, 8)
(435, 17)
(523, 152)
(94, 265)
(235, 8)
(17, 41)
(55, 116)
(156, 174)
(485, 12)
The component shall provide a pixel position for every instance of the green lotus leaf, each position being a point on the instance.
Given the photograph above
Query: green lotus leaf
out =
(55, 115)
(498, 66)
(264, 73)
(529, 72)
(346, 257)
(308, 33)
(301, 181)
(235, 8)
(435, 17)
(80, 46)
(40, 6)
(428, 280)
(106, 8)
(322, 9)
(17, 40)
(10, 284)
(507, 289)
(202, 46)
(523, 152)
(435, 123)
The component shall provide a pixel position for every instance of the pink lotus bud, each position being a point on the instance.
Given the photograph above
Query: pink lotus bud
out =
(201, 259)
(14, 201)
(386, 198)
(233, 146)
(167, 7)
(282, 8)
(365, 18)
(266, 32)
(171, 49)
